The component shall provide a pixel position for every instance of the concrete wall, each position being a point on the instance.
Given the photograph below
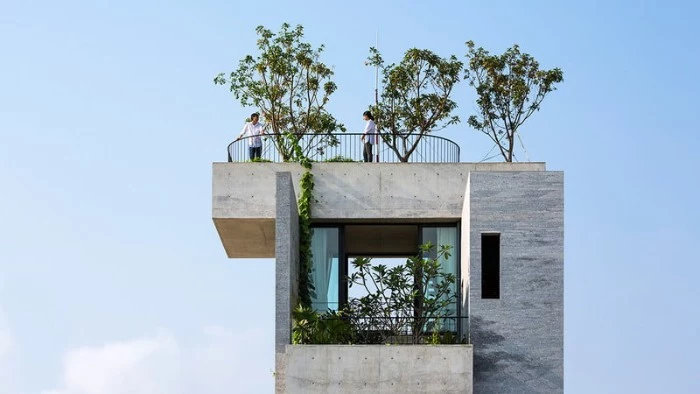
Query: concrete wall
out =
(518, 339)
(377, 369)
(244, 203)
(286, 266)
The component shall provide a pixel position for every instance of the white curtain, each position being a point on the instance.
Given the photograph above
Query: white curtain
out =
(324, 246)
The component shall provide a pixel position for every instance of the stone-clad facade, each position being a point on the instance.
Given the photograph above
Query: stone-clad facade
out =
(519, 338)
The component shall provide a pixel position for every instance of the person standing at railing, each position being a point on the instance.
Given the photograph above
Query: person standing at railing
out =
(369, 136)
(253, 130)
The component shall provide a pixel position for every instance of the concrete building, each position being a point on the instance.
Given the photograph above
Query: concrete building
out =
(505, 221)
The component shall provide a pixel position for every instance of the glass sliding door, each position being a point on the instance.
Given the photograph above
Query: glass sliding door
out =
(325, 270)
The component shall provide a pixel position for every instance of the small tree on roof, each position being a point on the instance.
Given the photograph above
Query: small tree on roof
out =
(291, 86)
(415, 100)
(510, 88)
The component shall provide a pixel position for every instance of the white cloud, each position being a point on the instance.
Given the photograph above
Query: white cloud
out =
(223, 362)
(121, 367)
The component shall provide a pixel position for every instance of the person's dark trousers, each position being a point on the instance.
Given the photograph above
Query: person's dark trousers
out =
(367, 154)
(254, 152)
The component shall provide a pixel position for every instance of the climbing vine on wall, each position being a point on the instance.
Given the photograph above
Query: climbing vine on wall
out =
(306, 186)
(306, 287)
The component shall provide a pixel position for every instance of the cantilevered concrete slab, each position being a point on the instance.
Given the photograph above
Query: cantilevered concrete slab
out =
(243, 206)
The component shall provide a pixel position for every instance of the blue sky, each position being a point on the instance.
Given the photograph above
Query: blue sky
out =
(112, 276)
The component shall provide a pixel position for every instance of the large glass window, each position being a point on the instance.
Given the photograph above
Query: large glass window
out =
(328, 265)
(325, 271)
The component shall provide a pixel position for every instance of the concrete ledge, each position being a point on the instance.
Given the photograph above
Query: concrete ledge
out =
(375, 369)
(352, 190)
(243, 201)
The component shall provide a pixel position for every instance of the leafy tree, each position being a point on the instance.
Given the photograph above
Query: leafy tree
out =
(415, 100)
(510, 88)
(291, 86)
(408, 298)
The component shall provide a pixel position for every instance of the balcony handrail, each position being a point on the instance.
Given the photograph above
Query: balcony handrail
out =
(349, 147)
(401, 330)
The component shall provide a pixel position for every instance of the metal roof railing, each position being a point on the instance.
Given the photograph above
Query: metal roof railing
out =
(349, 147)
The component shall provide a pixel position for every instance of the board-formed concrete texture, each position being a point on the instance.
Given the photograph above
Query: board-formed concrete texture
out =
(377, 369)
(519, 338)
(243, 201)
(286, 265)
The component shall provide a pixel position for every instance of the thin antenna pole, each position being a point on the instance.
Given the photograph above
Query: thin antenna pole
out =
(376, 94)
(376, 73)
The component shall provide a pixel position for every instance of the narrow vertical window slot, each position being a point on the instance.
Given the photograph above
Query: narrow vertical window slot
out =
(491, 265)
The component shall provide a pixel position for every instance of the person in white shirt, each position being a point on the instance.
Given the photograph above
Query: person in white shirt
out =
(369, 136)
(253, 130)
